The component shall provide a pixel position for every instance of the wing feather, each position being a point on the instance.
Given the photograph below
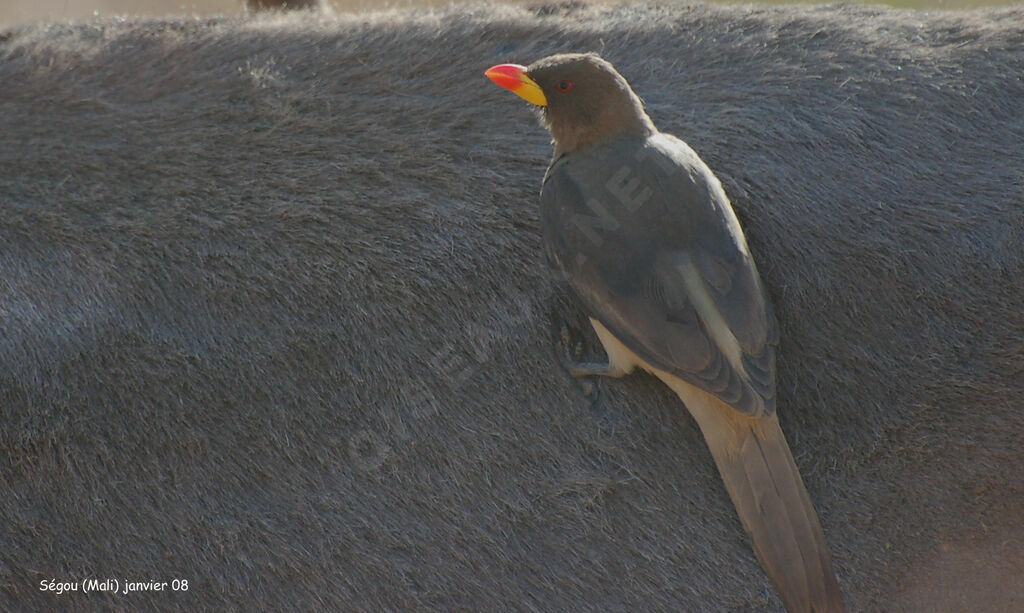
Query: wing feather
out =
(669, 273)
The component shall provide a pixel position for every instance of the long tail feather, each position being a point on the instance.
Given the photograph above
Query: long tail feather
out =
(765, 486)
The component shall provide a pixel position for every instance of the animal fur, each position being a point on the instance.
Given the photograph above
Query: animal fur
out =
(273, 319)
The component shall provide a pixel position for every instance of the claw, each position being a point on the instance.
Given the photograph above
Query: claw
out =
(571, 354)
(589, 389)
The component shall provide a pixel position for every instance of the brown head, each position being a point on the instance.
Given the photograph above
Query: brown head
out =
(585, 101)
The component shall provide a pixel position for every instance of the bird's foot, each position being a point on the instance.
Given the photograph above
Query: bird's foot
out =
(571, 352)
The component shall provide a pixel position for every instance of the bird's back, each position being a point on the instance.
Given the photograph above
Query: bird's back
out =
(646, 235)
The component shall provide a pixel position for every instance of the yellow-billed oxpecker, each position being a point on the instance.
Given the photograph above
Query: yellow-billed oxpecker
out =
(647, 239)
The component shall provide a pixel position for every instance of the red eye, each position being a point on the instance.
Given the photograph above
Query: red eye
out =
(564, 86)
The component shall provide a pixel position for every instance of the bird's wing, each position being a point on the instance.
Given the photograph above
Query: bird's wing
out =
(646, 237)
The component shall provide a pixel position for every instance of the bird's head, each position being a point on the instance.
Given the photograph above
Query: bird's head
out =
(584, 100)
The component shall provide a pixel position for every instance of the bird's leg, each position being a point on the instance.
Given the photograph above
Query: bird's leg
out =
(570, 353)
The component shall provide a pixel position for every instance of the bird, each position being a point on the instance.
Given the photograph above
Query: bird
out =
(647, 240)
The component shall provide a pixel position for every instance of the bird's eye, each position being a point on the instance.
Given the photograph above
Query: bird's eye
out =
(564, 86)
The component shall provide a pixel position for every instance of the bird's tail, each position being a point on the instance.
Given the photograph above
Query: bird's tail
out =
(758, 470)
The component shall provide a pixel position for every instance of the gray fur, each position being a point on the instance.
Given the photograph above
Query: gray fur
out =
(283, 5)
(274, 317)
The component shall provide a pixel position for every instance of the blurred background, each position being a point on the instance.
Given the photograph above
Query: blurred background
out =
(13, 12)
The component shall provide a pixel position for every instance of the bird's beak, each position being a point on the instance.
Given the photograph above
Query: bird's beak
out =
(513, 77)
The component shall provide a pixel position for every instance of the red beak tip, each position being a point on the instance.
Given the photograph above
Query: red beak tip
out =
(506, 75)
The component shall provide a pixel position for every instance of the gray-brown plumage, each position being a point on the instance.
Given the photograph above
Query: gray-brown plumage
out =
(645, 235)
